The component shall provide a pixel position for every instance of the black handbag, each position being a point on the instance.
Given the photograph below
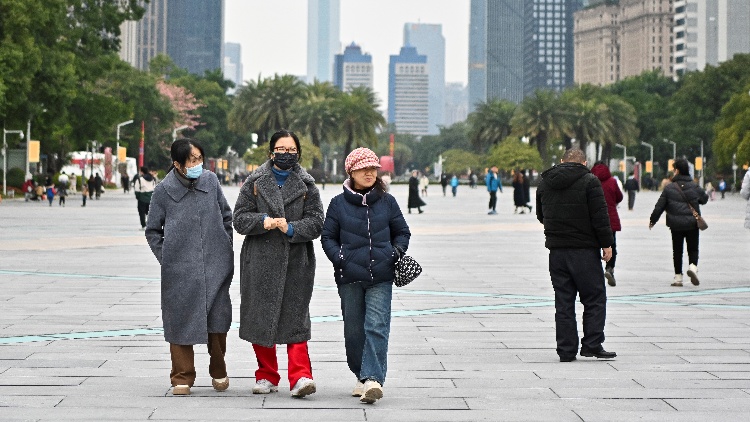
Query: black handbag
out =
(407, 269)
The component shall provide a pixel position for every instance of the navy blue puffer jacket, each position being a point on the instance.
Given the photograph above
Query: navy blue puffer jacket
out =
(359, 235)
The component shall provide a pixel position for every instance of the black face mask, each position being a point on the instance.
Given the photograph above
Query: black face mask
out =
(284, 161)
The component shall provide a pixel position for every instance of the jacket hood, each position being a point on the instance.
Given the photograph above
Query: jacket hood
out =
(563, 175)
(601, 171)
(148, 177)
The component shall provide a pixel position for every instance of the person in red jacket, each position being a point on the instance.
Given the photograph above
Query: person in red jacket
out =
(613, 196)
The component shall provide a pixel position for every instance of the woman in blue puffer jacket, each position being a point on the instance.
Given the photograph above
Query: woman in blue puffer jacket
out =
(364, 234)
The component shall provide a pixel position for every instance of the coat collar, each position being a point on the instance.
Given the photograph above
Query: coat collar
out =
(176, 190)
(357, 198)
(266, 186)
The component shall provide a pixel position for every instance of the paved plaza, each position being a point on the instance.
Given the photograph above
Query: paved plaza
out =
(473, 338)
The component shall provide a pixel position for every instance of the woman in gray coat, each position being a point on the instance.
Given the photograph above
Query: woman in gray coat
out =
(189, 230)
(280, 213)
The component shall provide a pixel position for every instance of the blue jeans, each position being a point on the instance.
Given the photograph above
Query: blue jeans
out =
(367, 326)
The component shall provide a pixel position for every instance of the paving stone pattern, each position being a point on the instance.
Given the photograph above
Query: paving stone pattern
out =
(473, 337)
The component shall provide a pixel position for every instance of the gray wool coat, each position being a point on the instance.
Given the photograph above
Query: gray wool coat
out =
(190, 233)
(277, 271)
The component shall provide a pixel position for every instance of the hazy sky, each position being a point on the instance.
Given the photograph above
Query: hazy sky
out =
(273, 34)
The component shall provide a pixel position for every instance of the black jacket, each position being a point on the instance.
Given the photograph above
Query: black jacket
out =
(570, 203)
(360, 234)
(679, 215)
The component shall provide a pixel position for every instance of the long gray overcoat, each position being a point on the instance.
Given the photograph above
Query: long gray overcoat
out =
(189, 231)
(277, 271)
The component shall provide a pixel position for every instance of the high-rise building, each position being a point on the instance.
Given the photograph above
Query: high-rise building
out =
(429, 41)
(323, 40)
(708, 32)
(456, 103)
(142, 40)
(353, 69)
(408, 92)
(190, 32)
(617, 40)
(519, 46)
(195, 34)
(232, 66)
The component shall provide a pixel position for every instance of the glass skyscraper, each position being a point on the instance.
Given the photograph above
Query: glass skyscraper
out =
(323, 39)
(408, 91)
(195, 34)
(428, 40)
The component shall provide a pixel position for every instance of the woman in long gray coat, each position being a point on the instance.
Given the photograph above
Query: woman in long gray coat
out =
(280, 213)
(189, 230)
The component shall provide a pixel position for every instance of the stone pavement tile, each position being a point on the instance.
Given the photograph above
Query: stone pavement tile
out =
(242, 414)
(739, 357)
(732, 375)
(646, 393)
(197, 399)
(76, 414)
(666, 416)
(28, 401)
(593, 374)
(478, 390)
(477, 376)
(378, 414)
(11, 380)
(536, 382)
(711, 384)
(707, 345)
(563, 405)
(53, 363)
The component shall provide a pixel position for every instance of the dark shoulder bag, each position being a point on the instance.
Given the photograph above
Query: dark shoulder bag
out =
(698, 219)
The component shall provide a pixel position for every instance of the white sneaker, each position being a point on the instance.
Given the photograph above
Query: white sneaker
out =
(264, 387)
(303, 387)
(358, 389)
(692, 272)
(181, 390)
(372, 393)
(677, 280)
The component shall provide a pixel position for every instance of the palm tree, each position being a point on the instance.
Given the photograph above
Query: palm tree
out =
(358, 118)
(314, 113)
(541, 117)
(490, 123)
(624, 124)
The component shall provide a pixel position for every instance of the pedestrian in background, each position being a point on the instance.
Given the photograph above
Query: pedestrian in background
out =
(62, 192)
(709, 188)
(676, 199)
(363, 236)
(492, 181)
(190, 233)
(632, 186)
(84, 193)
(92, 186)
(98, 185)
(424, 183)
(613, 196)
(570, 203)
(50, 192)
(527, 188)
(519, 193)
(454, 184)
(280, 212)
(414, 201)
(722, 186)
(745, 193)
(125, 182)
(144, 187)
(444, 181)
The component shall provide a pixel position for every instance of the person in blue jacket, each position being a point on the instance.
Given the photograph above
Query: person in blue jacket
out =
(492, 181)
(454, 184)
(364, 234)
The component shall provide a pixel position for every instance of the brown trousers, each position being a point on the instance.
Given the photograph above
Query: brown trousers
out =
(183, 360)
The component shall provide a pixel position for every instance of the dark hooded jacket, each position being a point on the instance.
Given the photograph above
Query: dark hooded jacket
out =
(570, 203)
(679, 215)
(612, 194)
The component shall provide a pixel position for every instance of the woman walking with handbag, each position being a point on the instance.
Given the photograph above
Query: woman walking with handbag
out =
(364, 235)
(681, 199)
(280, 213)
(189, 231)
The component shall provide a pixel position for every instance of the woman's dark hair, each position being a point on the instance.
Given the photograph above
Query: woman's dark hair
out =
(380, 186)
(681, 165)
(180, 151)
(283, 133)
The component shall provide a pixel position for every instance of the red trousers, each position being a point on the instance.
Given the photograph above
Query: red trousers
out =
(268, 366)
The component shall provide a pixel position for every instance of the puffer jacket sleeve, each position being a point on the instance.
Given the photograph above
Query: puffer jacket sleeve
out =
(539, 196)
(745, 190)
(659, 208)
(155, 223)
(400, 233)
(311, 224)
(247, 219)
(330, 237)
(599, 212)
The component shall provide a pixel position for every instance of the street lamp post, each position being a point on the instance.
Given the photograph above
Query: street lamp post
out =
(651, 147)
(5, 157)
(624, 158)
(174, 132)
(674, 148)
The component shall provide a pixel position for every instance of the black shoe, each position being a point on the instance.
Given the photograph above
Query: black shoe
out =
(602, 354)
(608, 274)
(567, 358)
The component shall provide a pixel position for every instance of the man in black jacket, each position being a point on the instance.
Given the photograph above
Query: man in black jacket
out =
(570, 203)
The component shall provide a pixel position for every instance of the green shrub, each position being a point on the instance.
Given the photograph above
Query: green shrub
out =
(15, 178)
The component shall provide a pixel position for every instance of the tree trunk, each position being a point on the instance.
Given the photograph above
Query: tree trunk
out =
(541, 146)
(316, 141)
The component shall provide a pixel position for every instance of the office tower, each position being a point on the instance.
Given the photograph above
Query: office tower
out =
(709, 32)
(195, 34)
(456, 103)
(617, 40)
(141, 41)
(353, 69)
(323, 40)
(408, 92)
(232, 65)
(429, 41)
(519, 46)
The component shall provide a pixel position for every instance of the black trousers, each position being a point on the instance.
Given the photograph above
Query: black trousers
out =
(142, 212)
(578, 272)
(631, 199)
(493, 200)
(691, 238)
(611, 262)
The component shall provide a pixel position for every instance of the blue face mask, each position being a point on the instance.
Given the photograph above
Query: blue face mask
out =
(194, 172)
